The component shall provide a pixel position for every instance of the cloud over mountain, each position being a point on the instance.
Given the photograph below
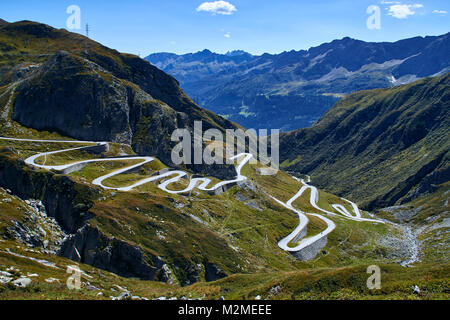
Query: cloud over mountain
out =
(217, 7)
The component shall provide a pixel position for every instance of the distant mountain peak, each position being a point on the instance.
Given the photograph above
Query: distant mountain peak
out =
(204, 52)
(235, 53)
(347, 40)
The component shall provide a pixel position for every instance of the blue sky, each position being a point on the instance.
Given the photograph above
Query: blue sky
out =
(257, 26)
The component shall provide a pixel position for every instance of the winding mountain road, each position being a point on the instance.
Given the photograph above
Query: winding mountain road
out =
(301, 230)
(298, 236)
(199, 183)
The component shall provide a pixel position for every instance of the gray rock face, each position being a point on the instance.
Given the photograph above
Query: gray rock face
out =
(90, 246)
(70, 208)
(240, 197)
(276, 290)
(22, 282)
(247, 185)
(93, 106)
(32, 230)
(166, 275)
(5, 277)
(444, 224)
(403, 213)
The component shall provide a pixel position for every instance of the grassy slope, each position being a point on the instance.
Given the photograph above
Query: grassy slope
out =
(318, 283)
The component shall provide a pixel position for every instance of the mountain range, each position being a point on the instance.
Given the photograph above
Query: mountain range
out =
(293, 89)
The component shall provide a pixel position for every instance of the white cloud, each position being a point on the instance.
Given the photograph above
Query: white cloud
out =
(440, 11)
(402, 11)
(390, 2)
(217, 7)
(227, 35)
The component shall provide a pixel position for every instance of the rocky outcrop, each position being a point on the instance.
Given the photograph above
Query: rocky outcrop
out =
(193, 272)
(36, 229)
(63, 199)
(88, 245)
(68, 203)
(213, 272)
